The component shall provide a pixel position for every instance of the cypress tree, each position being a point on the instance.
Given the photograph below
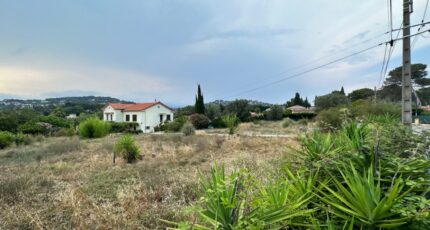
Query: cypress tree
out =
(342, 91)
(199, 106)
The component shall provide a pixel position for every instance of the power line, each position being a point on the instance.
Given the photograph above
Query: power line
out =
(422, 24)
(318, 67)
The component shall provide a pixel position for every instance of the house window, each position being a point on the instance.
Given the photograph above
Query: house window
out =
(161, 118)
(147, 127)
(134, 117)
(168, 117)
(127, 117)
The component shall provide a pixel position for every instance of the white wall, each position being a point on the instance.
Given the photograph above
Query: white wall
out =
(152, 117)
(149, 117)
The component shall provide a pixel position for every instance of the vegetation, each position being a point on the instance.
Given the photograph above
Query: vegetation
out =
(297, 100)
(127, 148)
(199, 106)
(343, 182)
(188, 129)
(231, 122)
(6, 139)
(331, 100)
(93, 128)
(199, 121)
(274, 113)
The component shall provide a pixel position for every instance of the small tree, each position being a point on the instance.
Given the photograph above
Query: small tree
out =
(275, 113)
(231, 121)
(127, 148)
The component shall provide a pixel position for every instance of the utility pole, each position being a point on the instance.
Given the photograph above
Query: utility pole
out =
(406, 73)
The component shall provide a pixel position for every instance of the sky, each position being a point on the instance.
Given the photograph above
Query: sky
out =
(143, 50)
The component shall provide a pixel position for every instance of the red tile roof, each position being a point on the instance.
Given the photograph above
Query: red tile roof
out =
(135, 107)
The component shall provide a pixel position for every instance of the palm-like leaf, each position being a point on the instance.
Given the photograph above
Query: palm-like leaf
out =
(360, 197)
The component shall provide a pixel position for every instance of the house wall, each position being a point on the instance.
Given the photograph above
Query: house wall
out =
(117, 114)
(147, 118)
(152, 117)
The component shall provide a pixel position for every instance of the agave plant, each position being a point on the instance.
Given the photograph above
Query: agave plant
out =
(223, 204)
(361, 197)
(318, 145)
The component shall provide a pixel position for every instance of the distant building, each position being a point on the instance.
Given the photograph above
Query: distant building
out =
(301, 109)
(72, 116)
(147, 115)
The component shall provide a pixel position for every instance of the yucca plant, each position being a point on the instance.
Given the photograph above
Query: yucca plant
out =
(276, 207)
(317, 146)
(362, 198)
(223, 204)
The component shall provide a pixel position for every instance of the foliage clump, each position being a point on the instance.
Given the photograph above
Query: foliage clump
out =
(231, 122)
(127, 148)
(188, 129)
(6, 139)
(199, 121)
(93, 128)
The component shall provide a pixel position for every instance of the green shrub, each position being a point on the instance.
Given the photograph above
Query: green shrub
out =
(329, 119)
(93, 128)
(231, 121)
(175, 125)
(22, 139)
(32, 128)
(123, 127)
(188, 129)
(65, 132)
(6, 139)
(199, 121)
(127, 148)
(56, 121)
(287, 123)
(274, 113)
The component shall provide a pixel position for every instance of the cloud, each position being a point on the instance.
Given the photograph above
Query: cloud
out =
(41, 82)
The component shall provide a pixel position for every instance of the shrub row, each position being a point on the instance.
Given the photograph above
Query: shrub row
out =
(8, 138)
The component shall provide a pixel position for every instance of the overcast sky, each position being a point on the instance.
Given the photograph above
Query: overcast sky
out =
(143, 50)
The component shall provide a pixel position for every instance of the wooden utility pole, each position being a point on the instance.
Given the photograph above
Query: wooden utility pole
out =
(406, 73)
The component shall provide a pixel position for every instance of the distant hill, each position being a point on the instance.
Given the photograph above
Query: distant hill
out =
(60, 101)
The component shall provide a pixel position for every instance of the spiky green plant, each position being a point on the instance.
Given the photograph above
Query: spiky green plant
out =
(318, 145)
(231, 121)
(223, 204)
(362, 198)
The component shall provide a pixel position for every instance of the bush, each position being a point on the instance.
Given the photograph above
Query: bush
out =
(331, 100)
(199, 121)
(287, 123)
(22, 139)
(127, 148)
(188, 129)
(93, 128)
(65, 132)
(218, 123)
(329, 119)
(123, 127)
(231, 121)
(175, 125)
(32, 128)
(274, 113)
(6, 139)
(56, 121)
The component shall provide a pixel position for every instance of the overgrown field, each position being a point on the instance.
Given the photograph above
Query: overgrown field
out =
(63, 183)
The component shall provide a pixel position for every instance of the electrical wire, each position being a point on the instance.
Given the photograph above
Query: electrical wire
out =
(414, 42)
(318, 67)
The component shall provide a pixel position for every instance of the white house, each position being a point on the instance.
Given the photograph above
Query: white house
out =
(147, 115)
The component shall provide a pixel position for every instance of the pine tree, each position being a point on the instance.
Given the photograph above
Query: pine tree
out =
(199, 106)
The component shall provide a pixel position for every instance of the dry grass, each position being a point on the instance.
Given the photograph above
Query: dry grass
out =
(64, 183)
